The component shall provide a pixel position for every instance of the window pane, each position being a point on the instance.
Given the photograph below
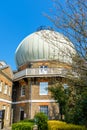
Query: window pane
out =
(3, 107)
(43, 69)
(65, 86)
(43, 88)
(44, 109)
(5, 89)
(22, 90)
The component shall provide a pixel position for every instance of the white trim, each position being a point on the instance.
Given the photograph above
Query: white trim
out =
(21, 109)
(26, 71)
(33, 101)
(4, 100)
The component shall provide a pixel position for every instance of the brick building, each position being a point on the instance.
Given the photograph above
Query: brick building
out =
(41, 58)
(6, 79)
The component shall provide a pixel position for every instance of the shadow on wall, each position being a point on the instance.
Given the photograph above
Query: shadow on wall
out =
(54, 111)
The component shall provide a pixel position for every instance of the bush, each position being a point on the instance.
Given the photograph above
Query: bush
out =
(59, 125)
(41, 121)
(22, 126)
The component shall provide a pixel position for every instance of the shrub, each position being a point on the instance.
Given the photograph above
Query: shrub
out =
(41, 121)
(59, 125)
(22, 126)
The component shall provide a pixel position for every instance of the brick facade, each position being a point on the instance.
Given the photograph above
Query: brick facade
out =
(6, 93)
(23, 92)
(31, 102)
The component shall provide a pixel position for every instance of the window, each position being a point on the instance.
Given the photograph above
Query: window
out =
(43, 69)
(21, 113)
(3, 107)
(5, 88)
(23, 91)
(43, 88)
(65, 86)
(0, 86)
(44, 109)
(9, 92)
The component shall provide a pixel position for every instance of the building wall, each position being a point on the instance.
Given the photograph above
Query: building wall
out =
(32, 100)
(52, 64)
(16, 111)
(6, 96)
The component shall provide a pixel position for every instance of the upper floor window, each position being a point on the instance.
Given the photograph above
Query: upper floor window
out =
(43, 88)
(5, 88)
(65, 86)
(43, 69)
(9, 92)
(0, 86)
(23, 91)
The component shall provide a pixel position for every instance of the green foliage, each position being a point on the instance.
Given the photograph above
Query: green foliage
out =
(60, 95)
(72, 101)
(22, 126)
(58, 90)
(80, 114)
(41, 120)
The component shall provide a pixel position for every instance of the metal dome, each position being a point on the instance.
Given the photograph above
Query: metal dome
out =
(44, 45)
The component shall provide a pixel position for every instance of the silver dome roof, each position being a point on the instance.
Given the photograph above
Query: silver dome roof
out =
(44, 45)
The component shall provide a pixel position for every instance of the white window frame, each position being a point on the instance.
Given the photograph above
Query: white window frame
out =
(5, 88)
(44, 109)
(23, 90)
(65, 86)
(4, 108)
(21, 109)
(9, 92)
(43, 88)
(43, 69)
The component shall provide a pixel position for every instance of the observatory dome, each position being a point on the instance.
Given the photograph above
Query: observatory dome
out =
(44, 45)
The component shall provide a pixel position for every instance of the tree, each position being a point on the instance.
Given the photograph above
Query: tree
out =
(70, 18)
(72, 100)
(60, 95)
(41, 121)
(80, 111)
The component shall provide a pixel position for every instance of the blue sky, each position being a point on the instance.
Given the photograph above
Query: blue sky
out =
(19, 18)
